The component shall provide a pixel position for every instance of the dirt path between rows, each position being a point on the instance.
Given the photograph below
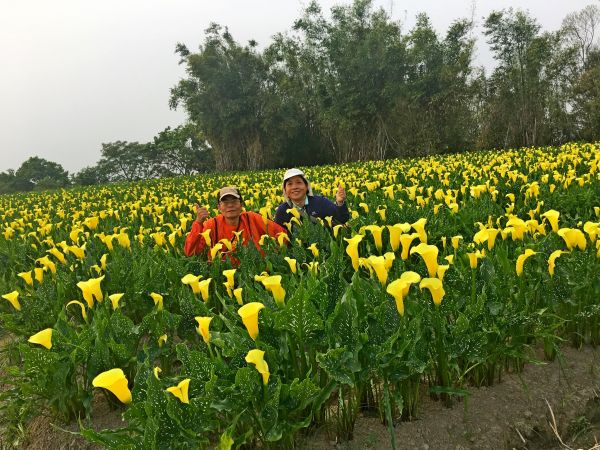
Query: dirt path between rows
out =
(512, 414)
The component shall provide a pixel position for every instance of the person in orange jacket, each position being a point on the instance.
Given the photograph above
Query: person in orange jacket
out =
(229, 223)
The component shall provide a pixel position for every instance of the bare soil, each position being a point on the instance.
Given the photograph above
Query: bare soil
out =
(514, 414)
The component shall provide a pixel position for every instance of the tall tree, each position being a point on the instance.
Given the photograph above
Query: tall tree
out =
(39, 173)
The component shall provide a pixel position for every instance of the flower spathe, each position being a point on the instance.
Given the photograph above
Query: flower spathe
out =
(237, 293)
(13, 299)
(521, 260)
(158, 300)
(203, 327)
(552, 260)
(181, 391)
(203, 285)
(429, 253)
(249, 314)
(573, 238)
(43, 338)
(115, 381)
(377, 232)
(378, 264)
(256, 357)
(273, 284)
(435, 287)
(115, 299)
(91, 290)
(292, 263)
(419, 227)
(352, 249)
(81, 306)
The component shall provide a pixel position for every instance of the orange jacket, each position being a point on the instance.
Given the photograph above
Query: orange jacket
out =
(251, 223)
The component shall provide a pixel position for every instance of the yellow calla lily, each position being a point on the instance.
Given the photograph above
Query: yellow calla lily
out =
(115, 381)
(256, 357)
(237, 293)
(249, 314)
(406, 241)
(292, 263)
(43, 338)
(429, 254)
(13, 299)
(352, 249)
(521, 260)
(115, 299)
(455, 240)
(203, 327)
(419, 227)
(313, 248)
(206, 236)
(193, 282)
(203, 285)
(181, 391)
(573, 238)
(158, 300)
(552, 217)
(435, 287)
(27, 277)
(552, 260)
(273, 285)
(91, 290)
(230, 277)
(81, 305)
(48, 265)
(377, 232)
(378, 265)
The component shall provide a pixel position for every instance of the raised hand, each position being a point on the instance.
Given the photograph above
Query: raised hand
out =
(201, 213)
(340, 195)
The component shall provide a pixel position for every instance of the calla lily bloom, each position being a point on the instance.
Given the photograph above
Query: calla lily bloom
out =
(115, 299)
(573, 238)
(419, 227)
(486, 235)
(352, 249)
(441, 271)
(378, 264)
(521, 260)
(27, 277)
(204, 284)
(43, 338)
(273, 284)
(58, 255)
(162, 339)
(399, 288)
(230, 277)
(336, 230)
(81, 305)
(389, 257)
(552, 217)
(158, 300)
(103, 261)
(395, 233)
(292, 263)
(435, 287)
(249, 314)
(429, 253)
(377, 232)
(49, 265)
(552, 260)
(294, 212)
(455, 240)
(313, 267)
(203, 325)
(592, 229)
(237, 293)
(115, 381)
(256, 357)
(181, 391)
(206, 236)
(315, 251)
(38, 274)
(406, 241)
(193, 282)
(13, 298)
(473, 258)
(157, 370)
(215, 250)
(91, 290)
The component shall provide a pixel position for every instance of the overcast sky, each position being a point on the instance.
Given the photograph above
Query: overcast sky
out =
(79, 73)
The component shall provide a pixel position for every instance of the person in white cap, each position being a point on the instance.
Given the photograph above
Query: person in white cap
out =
(230, 222)
(299, 195)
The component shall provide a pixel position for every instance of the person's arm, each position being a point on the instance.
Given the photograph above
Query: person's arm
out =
(195, 242)
(325, 207)
(272, 228)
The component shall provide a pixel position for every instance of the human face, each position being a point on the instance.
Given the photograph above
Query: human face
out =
(230, 207)
(296, 189)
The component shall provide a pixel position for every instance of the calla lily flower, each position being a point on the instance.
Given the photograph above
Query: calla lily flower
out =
(116, 382)
(115, 299)
(378, 265)
(203, 325)
(157, 370)
(406, 241)
(91, 290)
(552, 217)
(419, 227)
(455, 240)
(256, 357)
(282, 238)
(441, 271)
(313, 248)
(429, 253)
(81, 305)
(396, 288)
(206, 236)
(230, 277)
(204, 284)
(58, 255)
(521, 260)
(294, 212)
(38, 274)
(486, 235)
(395, 233)
(552, 260)
(181, 391)
(249, 314)
(273, 284)
(49, 265)
(573, 238)
(13, 298)
(352, 249)
(27, 277)
(473, 258)
(103, 261)
(158, 300)
(43, 338)
(389, 257)
(215, 250)
(292, 263)
(313, 267)
(237, 293)
(435, 287)
(377, 232)
(592, 229)
(162, 340)
(336, 230)
(193, 282)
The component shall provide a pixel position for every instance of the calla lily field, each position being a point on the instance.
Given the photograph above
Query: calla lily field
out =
(452, 271)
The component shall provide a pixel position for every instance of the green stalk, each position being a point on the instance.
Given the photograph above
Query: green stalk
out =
(388, 413)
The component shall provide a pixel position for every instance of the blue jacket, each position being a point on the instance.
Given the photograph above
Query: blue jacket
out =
(318, 206)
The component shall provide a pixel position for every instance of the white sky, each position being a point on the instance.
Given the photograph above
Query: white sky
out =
(76, 73)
